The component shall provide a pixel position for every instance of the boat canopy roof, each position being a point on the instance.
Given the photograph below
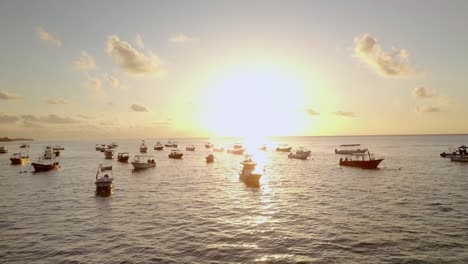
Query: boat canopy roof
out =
(350, 145)
(123, 153)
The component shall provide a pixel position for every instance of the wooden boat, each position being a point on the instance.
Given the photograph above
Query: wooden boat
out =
(209, 158)
(190, 148)
(263, 148)
(218, 149)
(143, 147)
(208, 145)
(284, 148)
(300, 153)
(248, 175)
(43, 166)
(109, 153)
(19, 158)
(3, 149)
(158, 146)
(123, 157)
(237, 149)
(364, 161)
(461, 151)
(143, 162)
(104, 180)
(24, 146)
(171, 144)
(175, 154)
(349, 149)
(100, 147)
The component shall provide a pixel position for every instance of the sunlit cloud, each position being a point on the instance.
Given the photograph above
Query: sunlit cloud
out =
(48, 36)
(139, 108)
(312, 112)
(422, 93)
(95, 84)
(181, 38)
(55, 101)
(9, 96)
(427, 109)
(394, 63)
(345, 114)
(8, 119)
(131, 60)
(139, 41)
(50, 119)
(85, 62)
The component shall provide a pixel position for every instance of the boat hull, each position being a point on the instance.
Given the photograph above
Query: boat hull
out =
(159, 148)
(460, 159)
(15, 161)
(209, 159)
(350, 152)
(44, 167)
(297, 156)
(142, 166)
(104, 188)
(176, 156)
(283, 149)
(123, 159)
(364, 164)
(236, 151)
(250, 178)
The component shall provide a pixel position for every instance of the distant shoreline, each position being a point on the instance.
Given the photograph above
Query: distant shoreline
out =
(6, 139)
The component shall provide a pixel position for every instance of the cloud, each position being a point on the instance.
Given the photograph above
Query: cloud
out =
(83, 116)
(49, 37)
(95, 83)
(139, 108)
(131, 60)
(50, 119)
(9, 96)
(30, 124)
(8, 119)
(346, 114)
(181, 38)
(85, 62)
(312, 112)
(421, 92)
(56, 101)
(394, 63)
(139, 41)
(427, 109)
(112, 81)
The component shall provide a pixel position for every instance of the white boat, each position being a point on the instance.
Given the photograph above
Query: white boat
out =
(3, 149)
(143, 147)
(172, 144)
(143, 162)
(350, 149)
(109, 153)
(236, 149)
(190, 148)
(114, 144)
(58, 147)
(300, 153)
(104, 180)
(248, 174)
(158, 146)
(48, 154)
(460, 159)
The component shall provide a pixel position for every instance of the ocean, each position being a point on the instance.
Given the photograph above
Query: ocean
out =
(413, 209)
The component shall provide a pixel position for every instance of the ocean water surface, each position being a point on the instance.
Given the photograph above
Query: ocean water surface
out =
(413, 209)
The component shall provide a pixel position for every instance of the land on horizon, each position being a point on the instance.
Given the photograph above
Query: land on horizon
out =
(7, 139)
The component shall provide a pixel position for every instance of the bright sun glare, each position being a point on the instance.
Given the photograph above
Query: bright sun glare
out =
(254, 103)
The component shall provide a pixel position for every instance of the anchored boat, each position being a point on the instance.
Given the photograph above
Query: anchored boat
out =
(143, 147)
(364, 161)
(176, 154)
(19, 158)
(104, 180)
(143, 162)
(209, 158)
(158, 146)
(248, 175)
(109, 153)
(123, 157)
(42, 165)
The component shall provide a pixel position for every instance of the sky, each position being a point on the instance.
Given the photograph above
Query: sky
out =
(171, 69)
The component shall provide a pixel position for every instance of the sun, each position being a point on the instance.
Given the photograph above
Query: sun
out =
(254, 102)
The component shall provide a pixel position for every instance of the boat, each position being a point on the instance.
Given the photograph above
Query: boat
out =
(3, 149)
(263, 148)
(48, 153)
(190, 148)
(42, 165)
(143, 147)
(208, 145)
(209, 158)
(143, 162)
(460, 159)
(58, 148)
(158, 146)
(171, 144)
(104, 180)
(114, 144)
(109, 153)
(56, 152)
(303, 151)
(19, 158)
(350, 149)
(284, 148)
(248, 175)
(123, 157)
(218, 149)
(364, 161)
(300, 154)
(175, 154)
(24, 146)
(237, 149)
(461, 151)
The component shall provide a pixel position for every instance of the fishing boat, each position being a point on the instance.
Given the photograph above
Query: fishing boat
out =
(158, 146)
(350, 149)
(114, 144)
(237, 149)
(300, 154)
(42, 165)
(97, 147)
(460, 159)
(24, 146)
(3, 149)
(175, 154)
(218, 149)
(209, 158)
(48, 153)
(19, 158)
(284, 148)
(364, 161)
(104, 180)
(109, 153)
(56, 152)
(123, 157)
(143, 162)
(190, 148)
(58, 147)
(248, 175)
(263, 148)
(208, 145)
(461, 151)
(143, 147)
(171, 144)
